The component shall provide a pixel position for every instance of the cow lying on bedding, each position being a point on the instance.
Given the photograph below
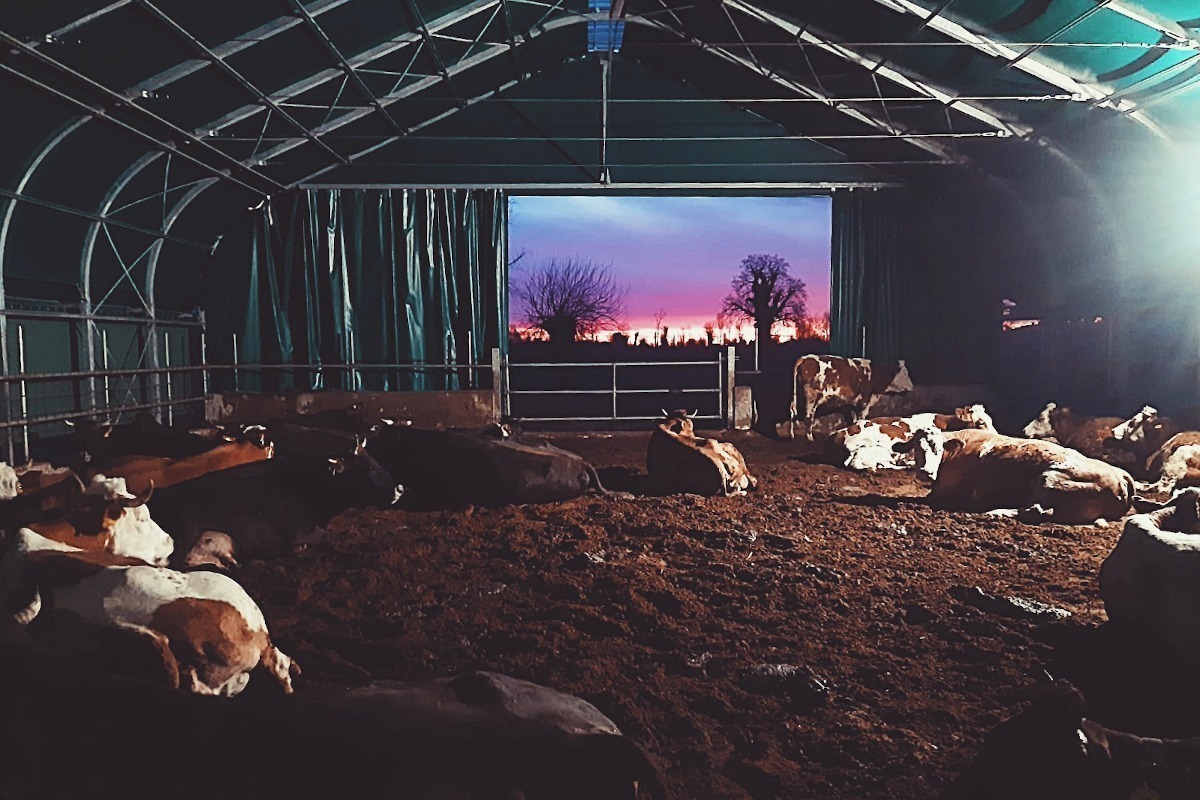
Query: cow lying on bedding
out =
(678, 461)
(904, 442)
(1031, 480)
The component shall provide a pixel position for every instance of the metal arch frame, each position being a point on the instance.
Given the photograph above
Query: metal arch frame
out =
(848, 53)
(336, 54)
(163, 19)
(943, 153)
(124, 102)
(1026, 63)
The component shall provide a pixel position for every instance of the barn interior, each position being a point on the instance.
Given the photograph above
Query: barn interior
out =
(310, 196)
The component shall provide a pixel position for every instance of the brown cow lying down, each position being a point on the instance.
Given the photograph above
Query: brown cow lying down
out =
(476, 736)
(1052, 751)
(1092, 436)
(197, 631)
(681, 462)
(1151, 579)
(1031, 480)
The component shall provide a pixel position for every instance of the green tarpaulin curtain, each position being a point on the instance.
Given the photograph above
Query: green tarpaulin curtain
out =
(399, 276)
(870, 276)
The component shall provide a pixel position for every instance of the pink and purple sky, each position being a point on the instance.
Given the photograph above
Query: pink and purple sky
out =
(676, 253)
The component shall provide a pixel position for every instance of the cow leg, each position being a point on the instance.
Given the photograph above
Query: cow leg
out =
(160, 650)
(1074, 499)
(280, 666)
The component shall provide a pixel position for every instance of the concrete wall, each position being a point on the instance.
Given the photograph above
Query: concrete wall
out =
(461, 409)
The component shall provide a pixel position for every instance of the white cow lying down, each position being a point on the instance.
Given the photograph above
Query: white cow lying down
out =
(905, 442)
(200, 631)
(1152, 577)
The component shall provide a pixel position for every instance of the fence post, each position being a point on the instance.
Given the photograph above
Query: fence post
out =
(497, 385)
(614, 391)
(24, 401)
(104, 361)
(235, 363)
(730, 378)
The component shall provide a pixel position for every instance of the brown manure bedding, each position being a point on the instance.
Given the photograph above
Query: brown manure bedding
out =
(809, 639)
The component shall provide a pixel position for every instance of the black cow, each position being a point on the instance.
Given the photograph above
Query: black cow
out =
(262, 509)
(1052, 751)
(477, 736)
(449, 468)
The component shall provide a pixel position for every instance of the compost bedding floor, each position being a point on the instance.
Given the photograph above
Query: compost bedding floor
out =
(654, 609)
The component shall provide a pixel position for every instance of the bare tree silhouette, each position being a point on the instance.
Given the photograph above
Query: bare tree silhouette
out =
(570, 298)
(764, 292)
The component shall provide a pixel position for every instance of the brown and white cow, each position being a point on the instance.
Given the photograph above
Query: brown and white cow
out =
(201, 628)
(1151, 579)
(1031, 480)
(849, 385)
(140, 472)
(1092, 436)
(1172, 457)
(107, 518)
(679, 461)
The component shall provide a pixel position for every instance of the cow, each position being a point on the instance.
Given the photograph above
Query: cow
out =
(473, 736)
(39, 499)
(679, 461)
(1172, 457)
(203, 630)
(1053, 751)
(1092, 436)
(1034, 481)
(108, 518)
(260, 510)
(849, 385)
(1151, 579)
(439, 468)
(1144, 434)
(144, 435)
(872, 445)
(140, 471)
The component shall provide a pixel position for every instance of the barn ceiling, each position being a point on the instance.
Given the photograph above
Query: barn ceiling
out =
(135, 121)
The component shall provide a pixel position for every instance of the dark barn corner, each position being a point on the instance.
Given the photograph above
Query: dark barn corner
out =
(318, 480)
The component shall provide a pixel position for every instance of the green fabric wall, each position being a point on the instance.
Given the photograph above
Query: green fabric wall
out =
(341, 276)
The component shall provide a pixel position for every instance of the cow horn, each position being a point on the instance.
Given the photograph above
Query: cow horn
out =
(141, 499)
(360, 444)
(70, 423)
(664, 412)
(694, 413)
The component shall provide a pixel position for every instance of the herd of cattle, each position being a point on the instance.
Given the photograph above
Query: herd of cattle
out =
(86, 566)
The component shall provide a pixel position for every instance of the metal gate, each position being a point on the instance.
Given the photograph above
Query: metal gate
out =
(620, 391)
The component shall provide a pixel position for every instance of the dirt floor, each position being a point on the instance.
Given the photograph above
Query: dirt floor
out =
(674, 614)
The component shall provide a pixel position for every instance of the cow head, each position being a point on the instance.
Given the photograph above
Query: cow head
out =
(1041, 427)
(1186, 503)
(213, 548)
(368, 475)
(124, 518)
(901, 382)
(927, 446)
(10, 482)
(1134, 429)
(679, 421)
(975, 416)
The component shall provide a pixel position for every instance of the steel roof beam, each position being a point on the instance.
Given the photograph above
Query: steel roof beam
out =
(100, 113)
(850, 54)
(237, 77)
(227, 49)
(807, 91)
(99, 218)
(347, 67)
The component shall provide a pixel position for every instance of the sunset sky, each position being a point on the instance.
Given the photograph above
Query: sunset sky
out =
(676, 253)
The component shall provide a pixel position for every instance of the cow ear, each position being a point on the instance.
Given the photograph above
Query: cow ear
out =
(953, 445)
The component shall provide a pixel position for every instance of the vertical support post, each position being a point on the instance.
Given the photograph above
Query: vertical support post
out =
(5, 364)
(863, 352)
(235, 363)
(86, 326)
(167, 376)
(614, 391)
(107, 377)
(730, 380)
(204, 361)
(24, 397)
(497, 385)
(507, 380)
